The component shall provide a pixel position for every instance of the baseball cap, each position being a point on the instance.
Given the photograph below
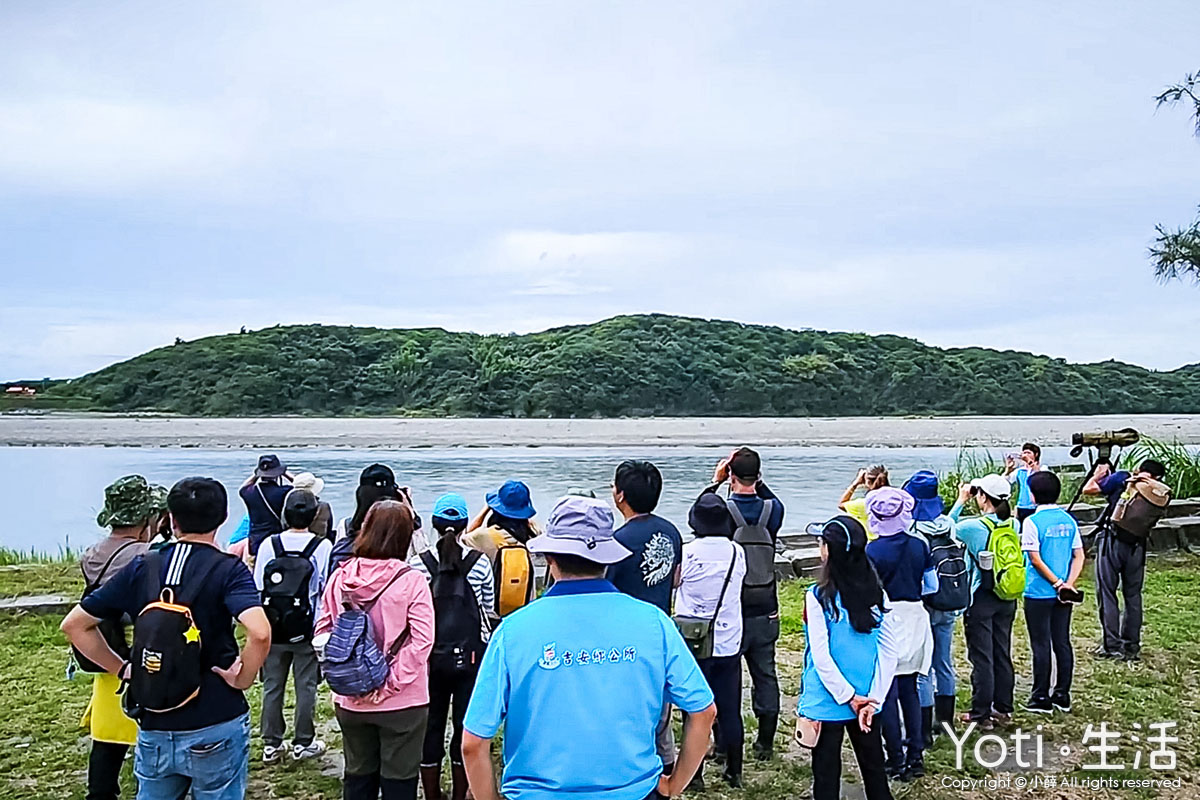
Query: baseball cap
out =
(996, 486)
(843, 532)
(299, 501)
(451, 506)
(377, 475)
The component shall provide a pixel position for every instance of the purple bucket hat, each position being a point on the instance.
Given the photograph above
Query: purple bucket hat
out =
(580, 526)
(889, 511)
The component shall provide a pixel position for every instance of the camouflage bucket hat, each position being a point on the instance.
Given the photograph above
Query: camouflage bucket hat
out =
(129, 501)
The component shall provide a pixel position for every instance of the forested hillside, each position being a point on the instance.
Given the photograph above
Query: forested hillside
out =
(633, 365)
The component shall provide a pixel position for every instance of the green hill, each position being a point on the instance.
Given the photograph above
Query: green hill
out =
(630, 365)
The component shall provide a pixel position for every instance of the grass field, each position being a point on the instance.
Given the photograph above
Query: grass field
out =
(43, 751)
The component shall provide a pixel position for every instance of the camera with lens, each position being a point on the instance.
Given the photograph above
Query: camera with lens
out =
(1103, 441)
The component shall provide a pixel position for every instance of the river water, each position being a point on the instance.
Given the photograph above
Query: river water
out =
(53, 470)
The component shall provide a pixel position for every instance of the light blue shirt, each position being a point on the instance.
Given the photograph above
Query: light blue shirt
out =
(1024, 496)
(974, 534)
(1053, 534)
(578, 679)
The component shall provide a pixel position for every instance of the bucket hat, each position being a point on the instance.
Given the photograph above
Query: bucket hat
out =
(306, 480)
(923, 486)
(580, 526)
(512, 500)
(129, 501)
(269, 466)
(889, 511)
(709, 516)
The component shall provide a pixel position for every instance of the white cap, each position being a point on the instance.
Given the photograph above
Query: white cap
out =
(996, 486)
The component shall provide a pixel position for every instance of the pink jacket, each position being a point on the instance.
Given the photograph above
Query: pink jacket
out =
(406, 603)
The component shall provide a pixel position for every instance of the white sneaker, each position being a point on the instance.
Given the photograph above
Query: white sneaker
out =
(271, 754)
(301, 752)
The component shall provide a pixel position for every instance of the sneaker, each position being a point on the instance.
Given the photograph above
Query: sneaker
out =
(914, 771)
(301, 751)
(1001, 719)
(1105, 653)
(733, 780)
(272, 753)
(763, 752)
(1062, 704)
(1039, 707)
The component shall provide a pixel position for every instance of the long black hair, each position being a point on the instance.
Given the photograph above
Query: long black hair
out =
(1003, 509)
(365, 497)
(449, 549)
(849, 576)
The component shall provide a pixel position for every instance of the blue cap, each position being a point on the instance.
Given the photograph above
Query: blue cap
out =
(512, 500)
(451, 506)
(923, 486)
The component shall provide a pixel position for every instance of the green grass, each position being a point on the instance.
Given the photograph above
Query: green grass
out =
(44, 750)
(1182, 463)
(969, 464)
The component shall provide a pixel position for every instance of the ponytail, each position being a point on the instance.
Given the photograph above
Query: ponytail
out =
(1002, 508)
(449, 549)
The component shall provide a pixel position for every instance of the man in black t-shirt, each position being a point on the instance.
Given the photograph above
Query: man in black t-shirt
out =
(204, 745)
(651, 572)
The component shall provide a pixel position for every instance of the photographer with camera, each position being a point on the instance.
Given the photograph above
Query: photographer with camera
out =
(1018, 468)
(1135, 505)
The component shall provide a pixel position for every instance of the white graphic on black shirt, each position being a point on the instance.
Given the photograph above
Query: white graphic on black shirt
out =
(657, 557)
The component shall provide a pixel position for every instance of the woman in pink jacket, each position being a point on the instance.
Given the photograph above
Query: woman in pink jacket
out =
(382, 732)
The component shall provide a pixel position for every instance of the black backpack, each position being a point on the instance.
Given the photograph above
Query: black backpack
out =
(950, 563)
(285, 600)
(756, 541)
(165, 664)
(458, 621)
(113, 630)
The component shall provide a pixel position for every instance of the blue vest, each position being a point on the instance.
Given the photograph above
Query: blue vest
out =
(855, 654)
(1056, 539)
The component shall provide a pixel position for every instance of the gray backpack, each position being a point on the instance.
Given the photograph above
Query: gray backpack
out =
(756, 541)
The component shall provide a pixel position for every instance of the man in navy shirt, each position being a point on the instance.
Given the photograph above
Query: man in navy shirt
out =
(263, 494)
(204, 745)
(1120, 565)
(651, 571)
(748, 495)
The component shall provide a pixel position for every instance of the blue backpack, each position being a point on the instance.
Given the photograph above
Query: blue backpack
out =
(355, 664)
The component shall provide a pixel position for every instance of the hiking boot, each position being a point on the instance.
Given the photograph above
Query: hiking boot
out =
(943, 706)
(1061, 702)
(914, 770)
(272, 753)
(300, 752)
(732, 779)
(764, 746)
(927, 726)
(1039, 706)
(894, 771)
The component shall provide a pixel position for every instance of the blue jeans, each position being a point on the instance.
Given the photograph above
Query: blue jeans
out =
(213, 762)
(941, 672)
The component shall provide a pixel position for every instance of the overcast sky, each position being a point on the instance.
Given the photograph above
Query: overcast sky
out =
(963, 173)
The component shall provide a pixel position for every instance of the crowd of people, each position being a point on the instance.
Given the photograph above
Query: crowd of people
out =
(583, 640)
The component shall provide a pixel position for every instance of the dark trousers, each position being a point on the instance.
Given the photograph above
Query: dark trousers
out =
(104, 770)
(382, 751)
(988, 625)
(449, 694)
(1120, 565)
(1049, 623)
(827, 761)
(724, 676)
(759, 635)
(301, 661)
(903, 698)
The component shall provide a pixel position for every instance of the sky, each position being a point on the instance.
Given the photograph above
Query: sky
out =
(967, 174)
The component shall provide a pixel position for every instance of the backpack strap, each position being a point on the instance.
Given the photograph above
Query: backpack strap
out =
(738, 519)
(367, 606)
(311, 547)
(431, 563)
(200, 579)
(277, 545)
(152, 569)
(93, 585)
(725, 585)
(470, 560)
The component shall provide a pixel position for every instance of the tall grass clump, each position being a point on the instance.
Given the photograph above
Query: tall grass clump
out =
(11, 557)
(969, 464)
(1182, 463)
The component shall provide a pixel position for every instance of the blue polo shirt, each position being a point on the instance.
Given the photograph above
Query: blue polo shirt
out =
(578, 679)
